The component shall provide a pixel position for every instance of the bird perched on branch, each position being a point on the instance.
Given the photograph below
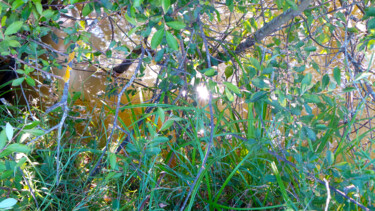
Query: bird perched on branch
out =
(126, 63)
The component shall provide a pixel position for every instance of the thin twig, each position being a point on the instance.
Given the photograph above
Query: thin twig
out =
(35, 67)
(64, 105)
(328, 194)
(93, 171)
(27, 183)
(212, 125)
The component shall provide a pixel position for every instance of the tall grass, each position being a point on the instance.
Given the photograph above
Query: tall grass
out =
(262, 160)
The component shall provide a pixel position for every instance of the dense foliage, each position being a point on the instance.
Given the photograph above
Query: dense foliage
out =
(254, 104)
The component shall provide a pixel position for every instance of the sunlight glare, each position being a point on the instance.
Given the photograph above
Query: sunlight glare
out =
(202, 92)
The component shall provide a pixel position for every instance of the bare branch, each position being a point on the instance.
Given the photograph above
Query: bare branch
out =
(272, 26)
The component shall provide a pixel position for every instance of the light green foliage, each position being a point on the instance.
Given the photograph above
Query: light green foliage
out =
(247, 102)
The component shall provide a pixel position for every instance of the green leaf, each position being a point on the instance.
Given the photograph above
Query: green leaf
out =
(370, 11)
(159, 55)
(112, 161)
(308, 108)
(3, 139)
(292, 4)
(371, 24)
(300, 68)
(165, 4)
(325, 81)
(330, 157)
(310, 48)
(247, 26)
(257, 96)
(13, 28)
(19, 71)
(171, 40)
(281, 185)
(167, 124)
(178, 25)
(39, 7)
(18, 81)
(151, 151)
(21, 162)
(353, 30)
(30, 81)
(122, 48)
(133, 30)
(87, 9)
(255, 63)
(130, 19)
(106, 3)
(35, 132)
(337, 75)
(3, 20)
(258, 82)
(161, 114)
(268, 70)
(299, 44)
(210, 71)
(14, 43)
(17, 4)
(307, 79)
(137, 3)
(173, 119)
(232, 87)
(8, 203)
(310, 134)
(157, 38)
(348, 89)
(159, 140)
(229, 95)
(311, 98)
(109, 176)
(230, 5)
(15, 148)
(228, 71)
(254, 23)
(228, 2)
(9, 131)
(321, 127)
(18, 148)
(362, 76)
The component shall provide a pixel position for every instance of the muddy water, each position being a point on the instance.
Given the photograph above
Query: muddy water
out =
(353, 99)
(91, 83)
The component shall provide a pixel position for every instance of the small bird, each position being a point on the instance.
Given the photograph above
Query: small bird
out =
(124, 66)
(126, 63)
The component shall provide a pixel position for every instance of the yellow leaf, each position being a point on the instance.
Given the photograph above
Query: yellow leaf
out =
(71, 56)
(90, 56)
(80, 42)
(82, 24)
(67, 74)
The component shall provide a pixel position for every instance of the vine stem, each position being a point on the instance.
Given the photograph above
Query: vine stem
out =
(212, 125)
